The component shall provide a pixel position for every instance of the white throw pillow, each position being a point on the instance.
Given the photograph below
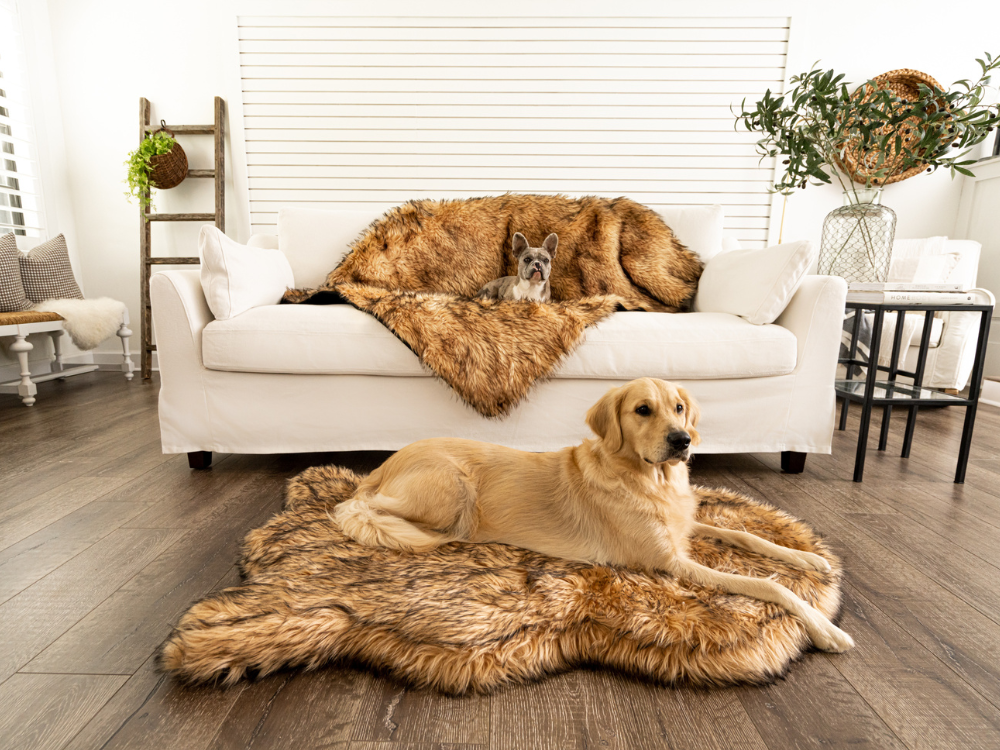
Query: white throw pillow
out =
(698, 227)
(757, 285)
(315, 241)
(236, 278)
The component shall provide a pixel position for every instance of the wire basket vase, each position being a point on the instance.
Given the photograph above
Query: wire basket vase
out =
(857, 238)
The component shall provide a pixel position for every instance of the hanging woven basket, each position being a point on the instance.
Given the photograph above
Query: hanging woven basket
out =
(168, 170)
(905, 84)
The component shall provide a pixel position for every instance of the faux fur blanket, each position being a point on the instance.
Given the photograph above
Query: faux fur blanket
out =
(479, 616)
(417, 268)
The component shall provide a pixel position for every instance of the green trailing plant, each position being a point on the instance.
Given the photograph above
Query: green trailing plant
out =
(139, 168)
(819, 125)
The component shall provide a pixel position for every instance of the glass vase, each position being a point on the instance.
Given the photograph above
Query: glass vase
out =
(857, 238)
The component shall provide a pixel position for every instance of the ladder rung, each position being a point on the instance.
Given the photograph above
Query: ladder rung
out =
(150, 347)
(201, 173)
(182, 217)
(172, 261)
(185, 129)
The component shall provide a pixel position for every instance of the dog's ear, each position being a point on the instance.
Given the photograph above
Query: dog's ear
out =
(693, 413)
(604, 419)
(519, 244)
(551, 243)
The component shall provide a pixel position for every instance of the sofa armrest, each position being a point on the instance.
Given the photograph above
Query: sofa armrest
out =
(816, 316)
(180, 313)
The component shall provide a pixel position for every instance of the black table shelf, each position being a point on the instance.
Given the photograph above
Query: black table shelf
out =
(889, 393)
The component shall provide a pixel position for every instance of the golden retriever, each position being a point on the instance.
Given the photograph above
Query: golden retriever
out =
(622, 499)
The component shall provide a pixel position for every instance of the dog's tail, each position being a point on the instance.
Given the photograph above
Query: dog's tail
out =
(369, 520)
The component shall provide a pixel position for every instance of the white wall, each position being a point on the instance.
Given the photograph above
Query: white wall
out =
(849, 37)
(108, 53)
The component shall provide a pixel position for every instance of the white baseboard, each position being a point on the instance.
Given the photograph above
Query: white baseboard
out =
(991, 393)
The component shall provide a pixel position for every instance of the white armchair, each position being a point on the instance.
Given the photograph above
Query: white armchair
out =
(953, 336)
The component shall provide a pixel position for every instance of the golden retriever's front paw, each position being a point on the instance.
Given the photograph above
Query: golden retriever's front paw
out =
(831, 638)
(810, 561)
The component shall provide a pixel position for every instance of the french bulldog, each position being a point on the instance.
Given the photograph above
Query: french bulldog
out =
(534, 266)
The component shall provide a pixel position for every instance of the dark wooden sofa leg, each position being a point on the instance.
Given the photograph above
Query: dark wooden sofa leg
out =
(203, 459)
(792, 462)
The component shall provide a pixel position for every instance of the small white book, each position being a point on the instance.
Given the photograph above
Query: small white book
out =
(902, 286)
(912, 298)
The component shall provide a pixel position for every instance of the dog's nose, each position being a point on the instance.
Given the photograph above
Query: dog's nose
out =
(679, 440)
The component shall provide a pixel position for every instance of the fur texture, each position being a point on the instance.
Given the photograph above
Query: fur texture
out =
(87, 321)
(606, 247)
(418, 267)
(479, 616)
(489, 352)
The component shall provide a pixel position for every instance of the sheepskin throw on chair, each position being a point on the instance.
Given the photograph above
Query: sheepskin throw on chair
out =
(417, 268)
(475, 617)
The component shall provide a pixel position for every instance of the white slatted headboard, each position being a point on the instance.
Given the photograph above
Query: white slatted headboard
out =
(344, 111)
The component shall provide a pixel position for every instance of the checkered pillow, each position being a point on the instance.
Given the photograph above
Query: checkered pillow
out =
(47, 274)
(12, 296)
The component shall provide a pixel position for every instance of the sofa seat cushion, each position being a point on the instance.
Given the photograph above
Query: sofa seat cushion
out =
(307, 339)
(695, 346)
(340, 340)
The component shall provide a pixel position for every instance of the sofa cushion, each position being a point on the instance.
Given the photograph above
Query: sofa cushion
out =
(757, 285)
(316, 240)
(696, 346)
(338, 339)
(307, 339)
(236, 278)
(698, 227)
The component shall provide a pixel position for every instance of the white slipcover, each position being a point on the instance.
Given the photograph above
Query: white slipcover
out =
(245, 412)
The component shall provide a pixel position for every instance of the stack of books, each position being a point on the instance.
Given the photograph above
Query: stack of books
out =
(909, 293)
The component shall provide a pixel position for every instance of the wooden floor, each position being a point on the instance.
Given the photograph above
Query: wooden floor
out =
(104, 542)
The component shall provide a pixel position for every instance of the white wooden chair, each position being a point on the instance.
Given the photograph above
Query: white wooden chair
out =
(21, 324)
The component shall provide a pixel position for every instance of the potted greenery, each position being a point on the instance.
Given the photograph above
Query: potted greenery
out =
(158, 162)
(888, 129)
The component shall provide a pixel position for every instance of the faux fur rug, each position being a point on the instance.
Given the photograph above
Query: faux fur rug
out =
(480, 616)
(87, 321)
(417, 268)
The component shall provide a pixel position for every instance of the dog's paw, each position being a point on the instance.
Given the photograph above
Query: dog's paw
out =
(828, 637)
(810, 561)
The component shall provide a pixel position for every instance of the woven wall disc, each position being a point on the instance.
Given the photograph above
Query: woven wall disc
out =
(903, 83)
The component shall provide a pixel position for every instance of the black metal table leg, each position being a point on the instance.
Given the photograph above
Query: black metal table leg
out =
(866, 406)
(851, 354)
(975, 386)
(897, 339)
(918, 381)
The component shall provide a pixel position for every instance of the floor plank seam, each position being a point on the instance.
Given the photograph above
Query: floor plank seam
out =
(993, 701)
(959, 595)
(132, 715)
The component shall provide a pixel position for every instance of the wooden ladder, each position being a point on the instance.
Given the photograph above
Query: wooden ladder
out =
(145, 226)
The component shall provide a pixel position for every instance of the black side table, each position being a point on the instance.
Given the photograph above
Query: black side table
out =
(888, 393)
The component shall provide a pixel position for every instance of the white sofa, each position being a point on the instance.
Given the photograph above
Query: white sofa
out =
(298, 378)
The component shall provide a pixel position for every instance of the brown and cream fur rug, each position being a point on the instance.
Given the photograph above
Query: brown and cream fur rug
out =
(475, 617)
(418, 267)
